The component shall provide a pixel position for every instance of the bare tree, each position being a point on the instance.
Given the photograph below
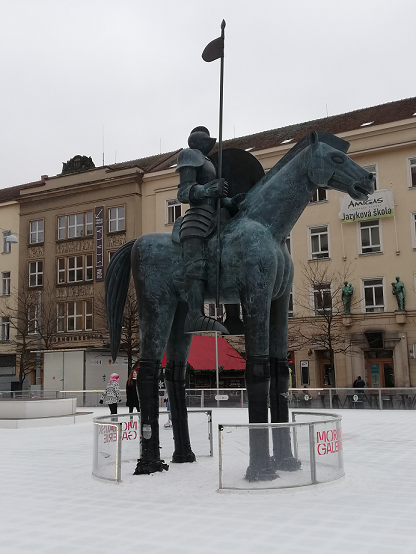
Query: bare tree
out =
(32, 315)
(321, 295)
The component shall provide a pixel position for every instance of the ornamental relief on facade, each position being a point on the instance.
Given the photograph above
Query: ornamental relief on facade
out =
(74, 292)
(35, 252)
(116, 241)
(75, 246)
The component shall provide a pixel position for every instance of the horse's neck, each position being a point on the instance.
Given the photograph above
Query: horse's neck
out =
(280, 201)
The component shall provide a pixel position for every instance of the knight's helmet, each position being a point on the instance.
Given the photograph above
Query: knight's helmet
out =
(199, 139)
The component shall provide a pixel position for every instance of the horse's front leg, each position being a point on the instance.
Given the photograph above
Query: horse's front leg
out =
(279, 386)
(256, 308)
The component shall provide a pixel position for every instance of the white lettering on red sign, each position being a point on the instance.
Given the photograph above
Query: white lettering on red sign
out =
(329, 442)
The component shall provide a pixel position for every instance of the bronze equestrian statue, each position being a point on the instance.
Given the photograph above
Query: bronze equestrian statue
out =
(256, 271)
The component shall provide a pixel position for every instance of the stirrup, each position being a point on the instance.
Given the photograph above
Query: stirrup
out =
(205, 324)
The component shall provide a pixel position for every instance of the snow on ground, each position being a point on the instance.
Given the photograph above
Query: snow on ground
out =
(50, 503)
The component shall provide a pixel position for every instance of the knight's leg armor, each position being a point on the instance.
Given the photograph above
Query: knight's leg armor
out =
(148, 387)
(175, 386)
(279, 409)
(258, 384)
(195, 277)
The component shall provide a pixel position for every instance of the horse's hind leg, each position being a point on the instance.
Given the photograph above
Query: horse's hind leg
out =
(279, 386)
(154, 331)
(176, 357)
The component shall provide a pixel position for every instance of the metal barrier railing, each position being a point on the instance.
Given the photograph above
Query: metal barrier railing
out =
(398, 398)
(316, 442)
(116, 441)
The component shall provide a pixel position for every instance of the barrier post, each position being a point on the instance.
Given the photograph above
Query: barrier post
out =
(312, 452)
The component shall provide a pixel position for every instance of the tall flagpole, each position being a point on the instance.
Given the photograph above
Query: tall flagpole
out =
(217, 299)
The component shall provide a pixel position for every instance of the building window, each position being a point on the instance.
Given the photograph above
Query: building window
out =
(319, 196)
(372, 169)
(322, 298)
(291, 304)
(88, 315)
(7, 246)
(74, 316)
(75, 269)
(32, 319)
(414, 229)
(5, 283)
(373, 295)
(289, 244)
(75, 226)
(5, 328)
(35, 274)
(412, 172)
(36, 231)
(370, 236)
(173, 210)
(116, 219)
(319, 242)
(60, 317)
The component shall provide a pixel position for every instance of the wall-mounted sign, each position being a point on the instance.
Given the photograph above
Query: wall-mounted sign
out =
(380, 204)
(99, 242)
(304, 372)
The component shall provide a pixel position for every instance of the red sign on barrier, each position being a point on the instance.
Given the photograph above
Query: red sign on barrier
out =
(329, 442)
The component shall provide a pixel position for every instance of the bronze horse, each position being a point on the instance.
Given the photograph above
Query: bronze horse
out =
(256, 272)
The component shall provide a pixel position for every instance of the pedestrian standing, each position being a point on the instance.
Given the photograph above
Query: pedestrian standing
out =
(132, 398)
(111, 396)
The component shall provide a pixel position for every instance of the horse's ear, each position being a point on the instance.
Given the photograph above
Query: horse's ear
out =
(314, 139)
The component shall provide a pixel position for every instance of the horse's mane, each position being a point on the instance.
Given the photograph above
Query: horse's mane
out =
(323, 136)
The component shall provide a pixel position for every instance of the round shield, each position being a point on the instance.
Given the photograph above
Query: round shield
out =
(240, 169)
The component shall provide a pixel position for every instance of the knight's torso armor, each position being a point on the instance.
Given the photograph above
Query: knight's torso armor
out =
(197, 219)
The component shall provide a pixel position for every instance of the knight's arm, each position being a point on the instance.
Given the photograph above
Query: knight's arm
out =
(189, 191)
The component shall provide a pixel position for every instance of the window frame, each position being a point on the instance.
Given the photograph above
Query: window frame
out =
(76, 229)
(320, 191)
(172, 204)
(372, 168)
(411, 162)
(413, 226)
(75, 316)
(5, 328)
(5, 283)
(370, 224)
(84, 273)
(116, 219)
(38, 274)
(323, 289)
(6, 246)
(36, 232)
(314, 256)
(373, 308)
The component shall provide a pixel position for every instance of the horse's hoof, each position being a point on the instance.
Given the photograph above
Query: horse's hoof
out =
(286, 464)
(204, 324)
(183, 458)
(146, 468)
(260, 474)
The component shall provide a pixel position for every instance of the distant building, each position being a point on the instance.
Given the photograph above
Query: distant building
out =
(71, 224)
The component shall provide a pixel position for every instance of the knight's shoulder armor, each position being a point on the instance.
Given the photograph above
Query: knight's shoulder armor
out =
(190, 158)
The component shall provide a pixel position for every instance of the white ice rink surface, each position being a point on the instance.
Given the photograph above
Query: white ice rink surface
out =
(50, 503)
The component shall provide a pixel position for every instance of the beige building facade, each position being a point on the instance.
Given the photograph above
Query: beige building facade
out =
(72, 223)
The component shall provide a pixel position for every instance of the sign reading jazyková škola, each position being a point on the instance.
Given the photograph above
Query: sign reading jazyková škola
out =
(380, 204)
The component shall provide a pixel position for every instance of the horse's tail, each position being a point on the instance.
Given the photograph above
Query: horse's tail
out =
(117, 280)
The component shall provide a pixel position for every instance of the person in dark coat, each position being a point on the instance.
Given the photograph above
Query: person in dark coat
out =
(131, 391)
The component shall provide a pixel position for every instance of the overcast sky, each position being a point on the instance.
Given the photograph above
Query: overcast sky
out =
(126, 76)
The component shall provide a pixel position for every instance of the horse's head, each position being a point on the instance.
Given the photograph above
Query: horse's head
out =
(330, 167)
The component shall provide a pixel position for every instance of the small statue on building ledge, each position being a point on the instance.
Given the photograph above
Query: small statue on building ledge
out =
(399, 292)
(346, 295)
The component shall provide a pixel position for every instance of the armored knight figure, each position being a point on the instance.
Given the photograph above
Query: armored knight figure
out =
(199, 187)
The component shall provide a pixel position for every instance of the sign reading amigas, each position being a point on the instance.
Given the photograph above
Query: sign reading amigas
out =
(379, 204)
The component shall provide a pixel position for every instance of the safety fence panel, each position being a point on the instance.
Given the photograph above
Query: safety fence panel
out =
(116, 446)
(316, 441)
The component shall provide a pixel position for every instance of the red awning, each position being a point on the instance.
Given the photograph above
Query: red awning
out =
(202, 354)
